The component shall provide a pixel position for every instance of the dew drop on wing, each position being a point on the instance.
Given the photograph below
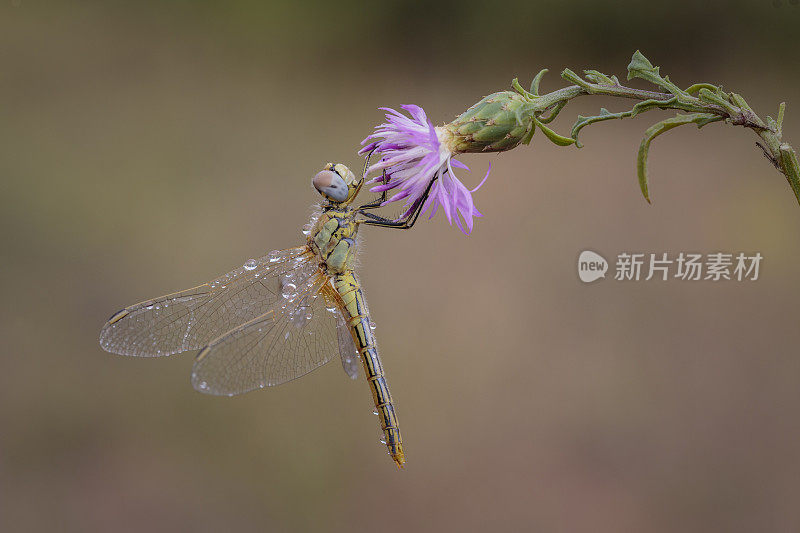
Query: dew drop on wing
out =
(300, 315)
(274, 257)
(375, 412)
(288, 290)
(250, 264)
(202, 385)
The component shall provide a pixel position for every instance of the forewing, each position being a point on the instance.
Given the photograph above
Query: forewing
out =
(347, 348)
(190, 319)
(293, 338)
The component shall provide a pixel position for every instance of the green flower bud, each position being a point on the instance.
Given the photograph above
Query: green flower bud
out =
(495, 124)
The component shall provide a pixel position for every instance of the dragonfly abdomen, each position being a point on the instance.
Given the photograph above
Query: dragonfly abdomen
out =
(357, 316)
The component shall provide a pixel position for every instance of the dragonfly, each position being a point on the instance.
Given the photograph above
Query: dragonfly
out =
(280, 316)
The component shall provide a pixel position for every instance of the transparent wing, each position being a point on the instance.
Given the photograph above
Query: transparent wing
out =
(347, 348)
(293, 338)
(190, 319)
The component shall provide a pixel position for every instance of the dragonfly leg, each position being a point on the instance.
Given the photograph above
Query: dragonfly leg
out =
(404, 223)
(382, 198)
(377, 203)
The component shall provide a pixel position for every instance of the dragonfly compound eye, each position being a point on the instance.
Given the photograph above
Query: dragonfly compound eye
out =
(331, 185)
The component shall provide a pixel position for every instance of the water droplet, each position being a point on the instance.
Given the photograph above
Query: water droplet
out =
(286, 336)
(274, 257)
(300, 315)
(375, 412)
(250, 264)
(202, 385)
(331, 309)
(288, 290)
(372, 325)
(383, 440)
(149, 307)
(222, 286)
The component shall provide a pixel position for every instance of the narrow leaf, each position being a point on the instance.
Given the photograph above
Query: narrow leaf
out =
(528, 136)
(598, 77)
(569, 75)
(781, 109)
(640, 67)
(790, 168)
(536, 80)
(560, 140)
(654, 131)
(697, 86)
(606, 115)
(554, 113)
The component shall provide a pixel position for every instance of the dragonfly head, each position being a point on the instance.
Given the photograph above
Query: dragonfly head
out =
(337, 184)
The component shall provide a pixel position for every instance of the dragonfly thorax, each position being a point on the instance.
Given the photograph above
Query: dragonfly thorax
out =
(333, 239)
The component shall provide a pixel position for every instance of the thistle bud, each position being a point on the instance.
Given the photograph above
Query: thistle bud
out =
(495, 124)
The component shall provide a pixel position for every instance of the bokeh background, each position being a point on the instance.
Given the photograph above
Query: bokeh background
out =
(146, 147)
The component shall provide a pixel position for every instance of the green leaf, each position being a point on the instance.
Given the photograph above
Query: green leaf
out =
(528, 136)
(607, 115)
(560, 140)
(582, 122)
(781, 109)
(554, 113)
(701, 119)
(791, 168)
(517, 87)
(598, 77)
(739, 100)
(569, 75)
(697, 86)
(640, 67)
(714, 98)
(536, 80)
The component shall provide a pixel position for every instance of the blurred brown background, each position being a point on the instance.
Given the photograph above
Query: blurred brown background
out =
(146, 147)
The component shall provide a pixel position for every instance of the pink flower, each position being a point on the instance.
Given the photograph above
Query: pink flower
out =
(414, 153)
